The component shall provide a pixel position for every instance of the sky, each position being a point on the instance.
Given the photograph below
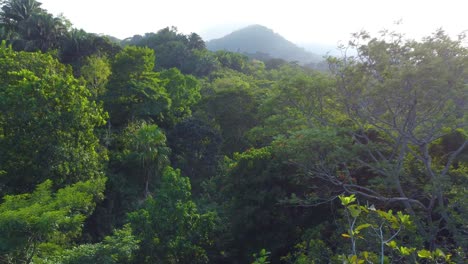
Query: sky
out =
(300, 21)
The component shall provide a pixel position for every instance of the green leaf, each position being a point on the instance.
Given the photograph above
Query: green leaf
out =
(424, 254)
(345, 200)
(404, 218)
(439, 253)
(355, 210)
(365, 254)
(405, 251)
(392, 244)
(360, 227)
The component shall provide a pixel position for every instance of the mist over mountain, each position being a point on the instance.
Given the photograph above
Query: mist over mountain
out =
(322, 49)
(263, 43)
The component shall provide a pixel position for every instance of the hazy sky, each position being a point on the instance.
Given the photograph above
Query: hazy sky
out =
(301, 21)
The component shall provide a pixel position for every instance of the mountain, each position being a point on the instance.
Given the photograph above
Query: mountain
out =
(263, 43)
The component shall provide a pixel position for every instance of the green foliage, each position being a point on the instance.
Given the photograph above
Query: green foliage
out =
(403, 96)
(29, 27)
(250, 194)
(346, 200)
(27, 221)
(176, 50)
(386, 126)
(203, 63)
(298, 99)
(184, 91)
(387, 228)
(329, 145)
(232, 60)
(118, 248)
(309, 252)
(26, 26)
(132, 62)
(96, 72)
(261, 257)
(78, 45)
(436, 256)
(232, 107)
(169, 226)
(196, 150)
(148, 145)
(47, 123)
(134, 90)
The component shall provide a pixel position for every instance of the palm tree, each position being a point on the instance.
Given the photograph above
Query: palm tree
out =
(42, 32)
(78, 44)
(29, 27)
(18, 10)
(52, 31)
(149, 145)
(15, 11)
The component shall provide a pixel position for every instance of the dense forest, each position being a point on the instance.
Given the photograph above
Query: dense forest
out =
(155, 150)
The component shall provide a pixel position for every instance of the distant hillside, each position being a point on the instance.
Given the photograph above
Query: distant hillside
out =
(261, 42)
(323, 49)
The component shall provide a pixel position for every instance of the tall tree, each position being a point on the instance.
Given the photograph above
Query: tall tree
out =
(184, 91)
(148, 143)
(169, 225)
(77, 45)
(96, 72)
(31, 28)
(299, 99)
(134, 90)
(47, 123)
(196, 150)
(401, 97)
(232, 105)
(15, 11)
(196, 42)
(175, 50)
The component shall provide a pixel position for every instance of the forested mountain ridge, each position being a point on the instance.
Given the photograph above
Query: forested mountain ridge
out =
(154, 149)
(261, 42)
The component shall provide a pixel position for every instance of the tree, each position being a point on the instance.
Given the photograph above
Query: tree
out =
(171, 46)
(31, 28)
(96, 72)
(184, 91)
(299, 99)
(33, 222)
(40, 32)
(196, 42)
(196, 150)
(134, 90)
(169, 226)
(175, 50)
(232, 60)
(15, 11)
(148, 143)
(117, 248)
(233, 107)
(401, 97)
(77, 45)
(47, 123)
(251, 193)
(202, 63)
